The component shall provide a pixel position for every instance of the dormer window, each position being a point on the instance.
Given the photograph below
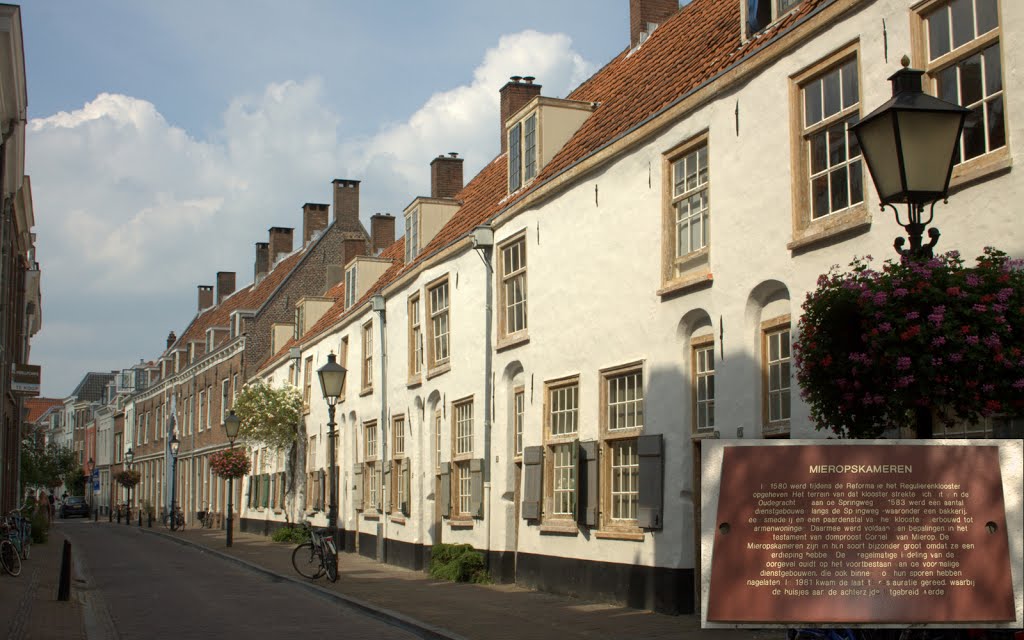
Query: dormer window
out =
(522, 152)
(761, 13)
(412, 235)
(350, 286)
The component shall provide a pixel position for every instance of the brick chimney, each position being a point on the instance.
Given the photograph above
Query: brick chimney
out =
(280, 243)
(262, 267)
(225, 285)
(205, 296)
(314, 220)
(644, 15)
(353, 247)
(445, 176)
(514, 95)
(346, 204)
(171, 339)
(382, 231)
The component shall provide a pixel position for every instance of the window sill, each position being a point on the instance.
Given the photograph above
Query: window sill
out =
(631, 536)
(977, 169)
(438, 370)
(397, 519)
(371, 515)
(830, 228)
(365, 391)
(692, 282)
(775, 430)
(566, 528)
(460, 522)
(414, 382)
(513, 340)
(705, 434)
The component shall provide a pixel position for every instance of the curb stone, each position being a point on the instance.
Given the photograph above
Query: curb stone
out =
(389, 616)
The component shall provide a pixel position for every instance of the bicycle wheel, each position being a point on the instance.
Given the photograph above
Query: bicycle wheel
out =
(308, 561)
(9, 558)
(167, 522)
(331, 567)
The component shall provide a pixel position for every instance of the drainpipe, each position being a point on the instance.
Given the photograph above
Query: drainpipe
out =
(483, 239)
(377, 304)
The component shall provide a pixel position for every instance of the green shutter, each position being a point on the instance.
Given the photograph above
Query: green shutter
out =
(533, 478)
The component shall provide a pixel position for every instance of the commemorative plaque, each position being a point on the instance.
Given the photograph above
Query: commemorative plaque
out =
(861, 534)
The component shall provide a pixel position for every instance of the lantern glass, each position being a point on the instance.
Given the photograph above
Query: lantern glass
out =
(130, 456)
(231, 425)
(174, 446)
(332, 379)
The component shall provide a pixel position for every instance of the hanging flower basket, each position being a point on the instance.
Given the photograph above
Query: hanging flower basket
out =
(230, 463)
(128, 478)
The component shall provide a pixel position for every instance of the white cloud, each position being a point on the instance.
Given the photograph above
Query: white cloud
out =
(133, 212)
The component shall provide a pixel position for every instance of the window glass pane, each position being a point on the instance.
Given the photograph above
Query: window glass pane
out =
(786, 5)
(759, 15)
(812, 103)
(819, 196)
(837, 144)
(963, 22)
(988, 15)
(784, 350)
(970, 80)
(678, 177)
(974, 133)
(840, 198)
(946, 80)
(831, 91)
(819, 152)
(993, 70)
(850, 95)
(938, 33)
(996, 125)
(856, 182)
(702, 160)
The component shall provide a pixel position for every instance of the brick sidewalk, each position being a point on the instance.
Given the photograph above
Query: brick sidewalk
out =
(29, 601)
(494, 612)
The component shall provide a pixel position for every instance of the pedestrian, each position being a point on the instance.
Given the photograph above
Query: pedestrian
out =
(53, 506)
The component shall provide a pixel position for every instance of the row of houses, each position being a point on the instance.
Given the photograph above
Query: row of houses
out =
(533, 366)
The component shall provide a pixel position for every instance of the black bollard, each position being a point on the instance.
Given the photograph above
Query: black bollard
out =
(118, 516)
(110, 515)
(64, 589)
(96, 514)
(150, 516)
(140, 517)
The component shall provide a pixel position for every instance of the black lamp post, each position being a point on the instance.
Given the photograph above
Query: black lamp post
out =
(174, 478)
(231, 424)
(129, 457)
(909, 145)
(89, 493)
(332, 379)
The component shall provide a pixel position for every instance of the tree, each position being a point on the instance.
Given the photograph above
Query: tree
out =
(46, 465)
(880, 349)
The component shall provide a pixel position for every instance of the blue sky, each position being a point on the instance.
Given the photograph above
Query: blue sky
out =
(165, 138)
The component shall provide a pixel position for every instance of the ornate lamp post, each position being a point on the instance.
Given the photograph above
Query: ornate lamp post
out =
(332, 379)
(909, 145)
(174, 477)
(231, 424)
(129, 457)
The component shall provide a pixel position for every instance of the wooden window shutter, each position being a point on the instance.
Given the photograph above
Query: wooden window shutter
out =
(281, 488)
(321, 476)
(588, 490)
(476, 487)
(357, 487)
(249, 495)
(406, 486)
(273, 491)
(649, 507)
(533, 478)
(446, 490)
(265, 493)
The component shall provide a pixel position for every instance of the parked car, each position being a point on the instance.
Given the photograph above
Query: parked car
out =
(74, 506)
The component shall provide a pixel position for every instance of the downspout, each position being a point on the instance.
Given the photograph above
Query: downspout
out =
(4, 381)
(377, 304)
(483, 239)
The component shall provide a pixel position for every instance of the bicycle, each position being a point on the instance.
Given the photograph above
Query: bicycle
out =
(20, 532)
(9, 557)
(179, 520)
(317, 557)
(205, 518)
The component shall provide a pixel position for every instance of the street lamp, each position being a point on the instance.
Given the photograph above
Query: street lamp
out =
(174, 477)
(231, 424)
(332, 380)
(129, 457)
(89, 493)
(909, 145)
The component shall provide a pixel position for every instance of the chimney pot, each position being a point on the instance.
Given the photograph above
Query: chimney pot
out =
(516, 79)
(529, 79)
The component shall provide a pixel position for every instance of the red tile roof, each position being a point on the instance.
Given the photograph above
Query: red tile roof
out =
(36, 407)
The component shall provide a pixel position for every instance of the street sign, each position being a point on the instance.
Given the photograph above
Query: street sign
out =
(95, 480)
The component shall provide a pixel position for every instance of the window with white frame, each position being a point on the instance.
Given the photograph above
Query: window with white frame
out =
(964, 59)
(830, 102)
(513, 287)
(371, 478)
(463, 428)
(350, 286)
(522, 152)
(776, 365)
(398, 459)
(415, 337)
(438, 327)
(622, 421)
(761, 13)
(437, 440)
(225, 398)
(202, 411)
(209, 407)
(343, 359)
(464, 488)
(519, 410)
(561, 429)
(689, 206)
(462, 451)
(412, 235)
(367, 367)
(307, 382)
(704, 384)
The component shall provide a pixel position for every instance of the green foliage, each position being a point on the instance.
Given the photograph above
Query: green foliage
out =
(458, 563)
(876, 346)
(45, 465)
(269, 416)
(75, 481)
(290, 534)
(40, 527)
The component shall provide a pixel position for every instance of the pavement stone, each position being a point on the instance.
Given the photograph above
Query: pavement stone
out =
(29, 602)
(440, 609)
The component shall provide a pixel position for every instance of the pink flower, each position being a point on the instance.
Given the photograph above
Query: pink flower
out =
(903, 363)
